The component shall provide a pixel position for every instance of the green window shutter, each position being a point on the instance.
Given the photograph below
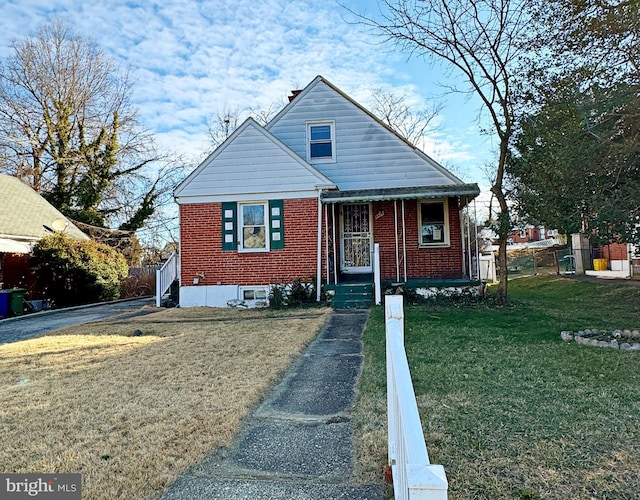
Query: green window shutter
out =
(276, 223)
(229, 226)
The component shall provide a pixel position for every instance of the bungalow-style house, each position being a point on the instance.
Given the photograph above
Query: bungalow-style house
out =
(25, 218)
(312, 195)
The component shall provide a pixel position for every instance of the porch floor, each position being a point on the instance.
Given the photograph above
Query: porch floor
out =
(356, 290)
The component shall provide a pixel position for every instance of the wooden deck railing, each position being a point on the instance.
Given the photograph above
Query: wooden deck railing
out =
(414, 477)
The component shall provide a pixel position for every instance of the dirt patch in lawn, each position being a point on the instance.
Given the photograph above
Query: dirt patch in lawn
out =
(130, 403)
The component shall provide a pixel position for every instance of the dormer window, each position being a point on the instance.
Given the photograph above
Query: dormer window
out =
(321, 142)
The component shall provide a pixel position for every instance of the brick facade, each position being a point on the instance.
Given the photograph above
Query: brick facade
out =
(615, 251)
(421, 262)
(201, 248)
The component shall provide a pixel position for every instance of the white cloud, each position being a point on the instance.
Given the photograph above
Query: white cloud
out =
(191, 59)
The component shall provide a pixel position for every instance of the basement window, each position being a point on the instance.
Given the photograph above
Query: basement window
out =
(254, 296)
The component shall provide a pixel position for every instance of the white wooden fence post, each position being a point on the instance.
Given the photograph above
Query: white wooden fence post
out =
(414, 477)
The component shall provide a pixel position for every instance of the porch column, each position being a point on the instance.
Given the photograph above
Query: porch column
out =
(319, 253)
(335, 256)
(395, 230)
(404, 244)
(326, 242)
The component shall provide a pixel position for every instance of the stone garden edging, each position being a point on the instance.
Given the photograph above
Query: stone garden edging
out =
(624, 340)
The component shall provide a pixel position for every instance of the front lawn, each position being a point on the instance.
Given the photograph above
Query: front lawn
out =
(509, 409)
(131, 403)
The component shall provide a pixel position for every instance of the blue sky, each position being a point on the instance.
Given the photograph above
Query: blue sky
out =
(190, 59)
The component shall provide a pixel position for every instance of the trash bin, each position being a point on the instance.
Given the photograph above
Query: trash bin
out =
(17, 301)
(5, 303)
(600, 264)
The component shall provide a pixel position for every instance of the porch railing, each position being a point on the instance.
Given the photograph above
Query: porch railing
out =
(165, 276)
(414, 477)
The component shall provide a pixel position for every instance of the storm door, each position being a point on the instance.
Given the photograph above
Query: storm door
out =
(356, 239)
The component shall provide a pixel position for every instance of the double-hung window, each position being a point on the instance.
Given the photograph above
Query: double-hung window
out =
(256, 226)
(433, 223)
(253, 226)
(321, 147)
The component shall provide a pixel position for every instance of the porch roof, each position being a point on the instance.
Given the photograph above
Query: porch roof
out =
(468, 191)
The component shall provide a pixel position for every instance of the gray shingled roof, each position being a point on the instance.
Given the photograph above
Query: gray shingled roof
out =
(24, 213)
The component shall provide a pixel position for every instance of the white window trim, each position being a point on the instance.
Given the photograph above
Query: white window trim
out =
(252, 302)
(332, 126)
(447, 233)
(267, 229)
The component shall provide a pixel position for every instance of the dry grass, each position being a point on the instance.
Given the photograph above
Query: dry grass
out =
(132, 412)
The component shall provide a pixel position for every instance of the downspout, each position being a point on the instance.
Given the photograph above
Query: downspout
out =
(395, 226)
(319, 253)
(404, 244)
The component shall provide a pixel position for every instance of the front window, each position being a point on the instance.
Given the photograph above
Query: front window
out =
(433, 223)
(321, 144)
(253, 227)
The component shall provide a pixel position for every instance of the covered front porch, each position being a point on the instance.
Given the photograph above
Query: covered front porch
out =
(380, 238)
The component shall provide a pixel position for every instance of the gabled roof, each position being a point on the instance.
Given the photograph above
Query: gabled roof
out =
(251, 161)
(24, 213)
(369, 154)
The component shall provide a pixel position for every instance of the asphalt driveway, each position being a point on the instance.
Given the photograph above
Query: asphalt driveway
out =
(30, 325)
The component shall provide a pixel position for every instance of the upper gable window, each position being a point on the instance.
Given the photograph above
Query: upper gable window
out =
(321, 142)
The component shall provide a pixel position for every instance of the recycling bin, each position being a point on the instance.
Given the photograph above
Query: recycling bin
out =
(5, 303)
(17, 301)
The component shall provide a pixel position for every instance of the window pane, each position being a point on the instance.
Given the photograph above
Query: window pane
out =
(253, 215)
(321, 132)
(253, 237)
(432, 233)
(321, 150)
(432, 212)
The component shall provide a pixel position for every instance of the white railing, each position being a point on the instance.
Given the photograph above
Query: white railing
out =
(165, 276)
(414, 477)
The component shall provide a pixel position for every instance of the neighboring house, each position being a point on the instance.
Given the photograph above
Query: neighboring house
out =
(307, 196)
(25, 217)
(613, 260)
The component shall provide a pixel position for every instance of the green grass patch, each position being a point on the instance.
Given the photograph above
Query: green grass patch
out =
(509, 409)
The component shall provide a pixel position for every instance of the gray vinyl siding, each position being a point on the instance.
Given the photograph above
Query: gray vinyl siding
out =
(249, 163)
(368, 155)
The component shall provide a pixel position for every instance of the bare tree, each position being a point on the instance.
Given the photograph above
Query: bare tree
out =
(68, 128)
(481, 40)
(227, 120)
(396, 111)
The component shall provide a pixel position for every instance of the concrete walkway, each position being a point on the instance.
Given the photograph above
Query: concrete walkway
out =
(298, 444)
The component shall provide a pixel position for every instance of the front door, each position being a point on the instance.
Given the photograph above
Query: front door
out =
(356, 239)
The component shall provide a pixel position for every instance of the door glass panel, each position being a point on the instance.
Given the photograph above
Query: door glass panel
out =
(356, 238)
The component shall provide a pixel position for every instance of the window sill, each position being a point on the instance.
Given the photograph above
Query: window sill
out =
(434, 245)
(253, 250)
(314, 161)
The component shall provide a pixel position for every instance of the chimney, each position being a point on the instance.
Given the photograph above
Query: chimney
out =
(294, 94)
